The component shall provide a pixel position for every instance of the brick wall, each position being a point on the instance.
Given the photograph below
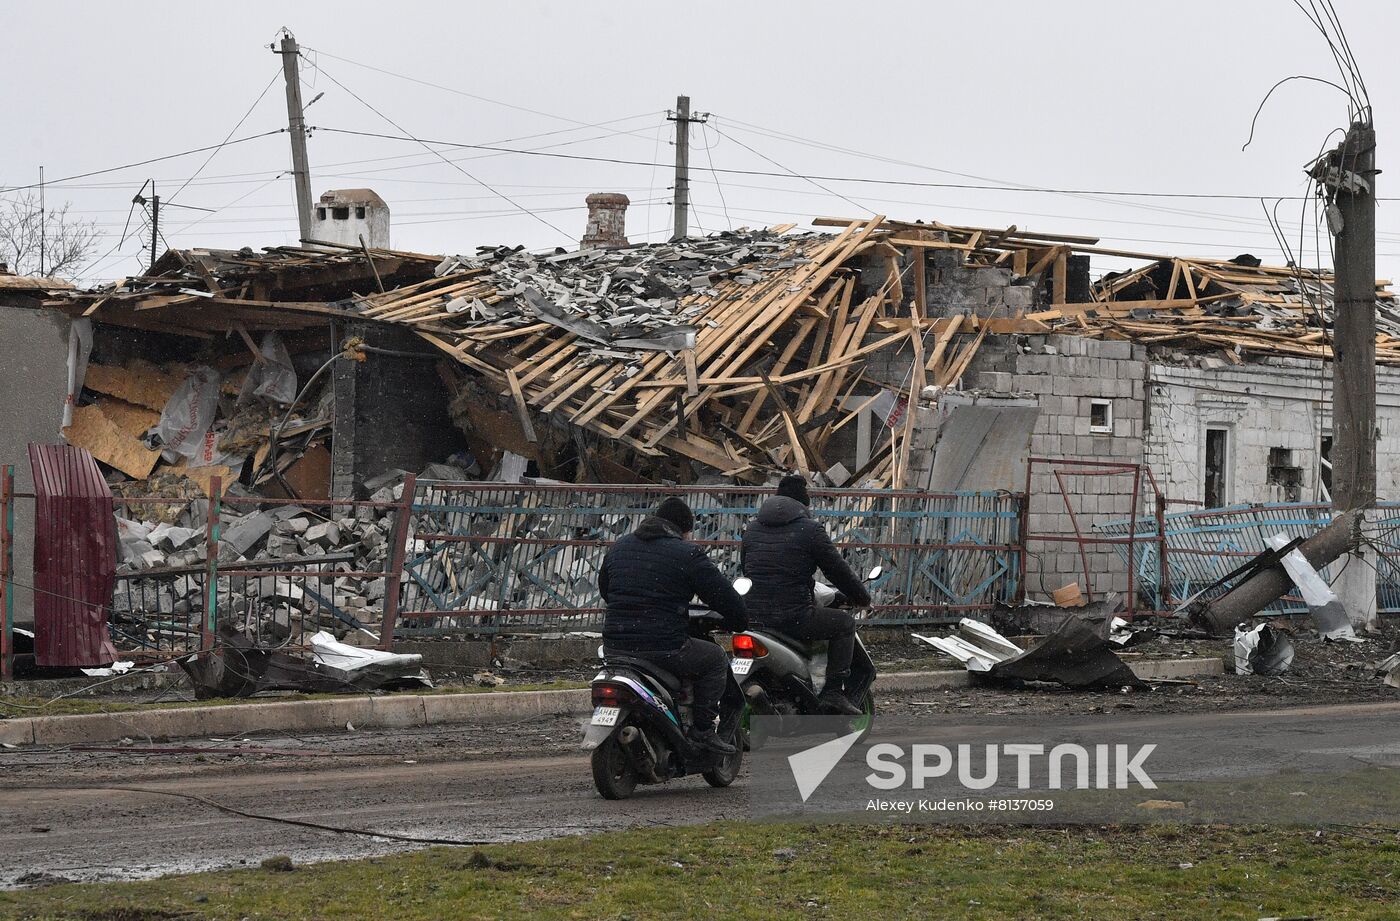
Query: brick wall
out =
(1066, 375)
(1276, 403)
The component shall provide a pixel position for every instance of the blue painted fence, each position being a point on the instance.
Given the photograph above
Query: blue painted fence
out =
(494, 558)
(1202, 546)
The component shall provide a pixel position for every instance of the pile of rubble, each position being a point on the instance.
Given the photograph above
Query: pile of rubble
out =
(617, 300)
(164, 564)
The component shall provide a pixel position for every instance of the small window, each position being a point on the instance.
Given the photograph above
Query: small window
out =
(320, 214)
(1216, 485)
(360, 212)
(1283, 473)
(1101, 417)
(341, 214)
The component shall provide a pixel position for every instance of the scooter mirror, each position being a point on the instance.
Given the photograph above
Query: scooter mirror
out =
(875, 573)
(743, 584)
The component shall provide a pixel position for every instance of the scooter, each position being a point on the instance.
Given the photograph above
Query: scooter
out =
(640, 714)
(781, 675)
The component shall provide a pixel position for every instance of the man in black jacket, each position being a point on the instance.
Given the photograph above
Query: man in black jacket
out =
(647, 580)
(782, 550)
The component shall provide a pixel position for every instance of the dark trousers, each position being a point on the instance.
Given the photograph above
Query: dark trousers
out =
(707, 667)
(839, 629)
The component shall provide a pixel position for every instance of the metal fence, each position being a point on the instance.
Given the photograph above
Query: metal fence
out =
(492, 558)
(1204, 545)
(213, 579)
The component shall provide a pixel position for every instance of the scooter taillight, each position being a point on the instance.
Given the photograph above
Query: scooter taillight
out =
(746, 647)
(607, 695)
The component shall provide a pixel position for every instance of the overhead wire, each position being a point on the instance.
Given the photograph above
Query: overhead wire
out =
(790, 171)
(449, 162)
(709, 157)
(147, 162)
(1231, 196)
(476, 96)
(215, 152)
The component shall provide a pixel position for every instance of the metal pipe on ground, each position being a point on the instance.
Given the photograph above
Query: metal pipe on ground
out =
(1220, 615)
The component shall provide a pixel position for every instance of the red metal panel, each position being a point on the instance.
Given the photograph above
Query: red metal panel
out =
(75, 557)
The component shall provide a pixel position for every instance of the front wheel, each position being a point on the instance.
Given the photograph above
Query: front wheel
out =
(724, 773)
(613, 773)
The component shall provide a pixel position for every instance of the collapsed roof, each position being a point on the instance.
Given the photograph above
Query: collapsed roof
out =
(746, 352)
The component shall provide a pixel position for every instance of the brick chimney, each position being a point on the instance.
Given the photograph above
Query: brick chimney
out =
(607, 221)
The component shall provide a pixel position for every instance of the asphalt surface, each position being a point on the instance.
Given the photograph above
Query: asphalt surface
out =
(60, 818)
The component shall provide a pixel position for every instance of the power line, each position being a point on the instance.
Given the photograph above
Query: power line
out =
(450, 163)
(808, 177)
(479, 98)
(174, 156)
(793, 172)
(215, 152)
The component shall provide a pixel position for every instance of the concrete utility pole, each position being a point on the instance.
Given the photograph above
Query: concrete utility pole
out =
(683, 120)
(1350, 172)
(155, 222)
(296, 126)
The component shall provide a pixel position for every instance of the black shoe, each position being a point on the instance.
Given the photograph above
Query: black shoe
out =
(833, 700)
(706, 738)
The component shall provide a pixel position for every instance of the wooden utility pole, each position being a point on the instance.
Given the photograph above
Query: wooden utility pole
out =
(1349, 172)
(683, 119)
(296, 127)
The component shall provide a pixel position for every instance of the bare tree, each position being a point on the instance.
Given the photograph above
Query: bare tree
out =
(66, 241)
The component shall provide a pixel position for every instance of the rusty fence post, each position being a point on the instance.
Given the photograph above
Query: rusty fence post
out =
(396, 563)
(1132, 542)
(1164, 573)
(7, 571)
(1024, 520)
(211, 564)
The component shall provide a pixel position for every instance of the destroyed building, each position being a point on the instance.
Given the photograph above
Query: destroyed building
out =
(881, 354)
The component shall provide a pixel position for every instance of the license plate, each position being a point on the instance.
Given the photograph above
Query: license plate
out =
(740, 666)
(605, 716)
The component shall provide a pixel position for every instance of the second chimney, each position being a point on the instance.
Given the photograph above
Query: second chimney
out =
(607, 221)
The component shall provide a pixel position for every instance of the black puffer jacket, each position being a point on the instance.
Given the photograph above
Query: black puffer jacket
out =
(783, 549)
(648, 579)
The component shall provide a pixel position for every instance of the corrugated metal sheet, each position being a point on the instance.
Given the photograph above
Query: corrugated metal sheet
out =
(75, 557)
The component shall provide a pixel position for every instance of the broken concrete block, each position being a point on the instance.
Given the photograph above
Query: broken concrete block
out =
(296, 525)
(170, 537)
(242, 533)
(325, 534)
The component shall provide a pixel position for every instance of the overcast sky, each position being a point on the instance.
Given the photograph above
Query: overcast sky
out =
(1083, 95)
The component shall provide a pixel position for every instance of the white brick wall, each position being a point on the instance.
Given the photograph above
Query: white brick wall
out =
(1278, 404)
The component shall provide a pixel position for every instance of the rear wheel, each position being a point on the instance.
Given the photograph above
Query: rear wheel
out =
(723, 774)
(613, 773)
(866, 719)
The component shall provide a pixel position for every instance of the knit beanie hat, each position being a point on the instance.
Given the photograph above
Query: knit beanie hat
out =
(676, 512)
(794, 486)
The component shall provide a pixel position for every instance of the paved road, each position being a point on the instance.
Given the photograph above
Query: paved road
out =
(54, 820)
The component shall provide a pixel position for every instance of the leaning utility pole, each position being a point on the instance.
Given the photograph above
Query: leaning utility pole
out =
(296, 126)
(1349, 173)
(683, 120)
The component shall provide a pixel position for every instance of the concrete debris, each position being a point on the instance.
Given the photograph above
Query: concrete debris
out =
(1262, 650)
(1388, 670)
